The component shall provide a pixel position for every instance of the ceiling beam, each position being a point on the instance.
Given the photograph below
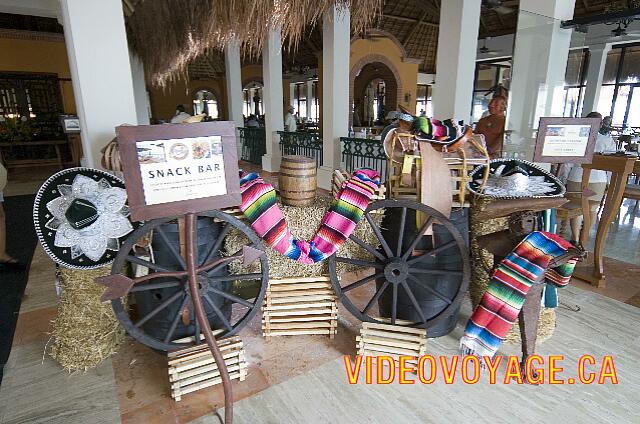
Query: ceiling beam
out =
(414, 29)
(410, 20)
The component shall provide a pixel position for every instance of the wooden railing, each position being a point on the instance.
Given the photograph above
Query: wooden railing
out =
(301, 143)
(364, 153)
(254, 144)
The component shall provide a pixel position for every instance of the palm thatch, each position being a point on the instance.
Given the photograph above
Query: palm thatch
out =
(168, 34)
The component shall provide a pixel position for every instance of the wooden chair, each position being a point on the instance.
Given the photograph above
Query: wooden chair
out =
(632, 191)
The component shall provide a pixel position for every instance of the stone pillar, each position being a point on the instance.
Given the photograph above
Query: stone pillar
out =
(309, 99)
(537, 77)
(234, 87)
(140, 94)
(595, 72)
(336, 42)
(100, 71)
(456, 59)
(272, 99)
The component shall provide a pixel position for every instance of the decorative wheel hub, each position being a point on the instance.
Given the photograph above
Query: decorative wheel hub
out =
(396, 271)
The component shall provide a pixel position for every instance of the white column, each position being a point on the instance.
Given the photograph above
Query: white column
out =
(336, 41)
(272, 101)
(595, 72)
(537, 77)
(140, 94)
(456, 59)
(309, 99)
(100, 71)
(234, 86)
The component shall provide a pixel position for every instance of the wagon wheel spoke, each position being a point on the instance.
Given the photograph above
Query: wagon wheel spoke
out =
(158, 308)
(379, 236)
(367, 247)
(221, 265)
(223, 278)
(232, 297)
(361, 282)
(414, 301)
(375, 297)
(359, 262)
(196, 331)
(435, 271)
(218, 312)
(394, 305)
(155, 286)
(403, 218)
(139, 261)
(175, 321)
(218, 243)
(432, 290)
(417, 238)
(432, 252)
(176, 255)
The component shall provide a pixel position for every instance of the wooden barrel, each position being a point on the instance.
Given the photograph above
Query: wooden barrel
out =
(297, 180)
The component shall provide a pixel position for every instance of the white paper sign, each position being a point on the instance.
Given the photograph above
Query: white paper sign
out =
(181, 169)
(566, 140)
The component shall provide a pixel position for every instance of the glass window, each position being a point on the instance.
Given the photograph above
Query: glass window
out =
(631, 65)
(605, 100)
(205, 102)
(423, 100)
(611, 66)
(633, 120)
(575, 64)
(486, 77)
(573, 102)
(620, 107)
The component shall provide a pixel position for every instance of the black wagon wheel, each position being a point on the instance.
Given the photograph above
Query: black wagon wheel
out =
(405, 263)
(163, 312)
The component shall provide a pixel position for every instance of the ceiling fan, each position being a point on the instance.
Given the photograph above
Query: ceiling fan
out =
(497, 6)
(486, 50)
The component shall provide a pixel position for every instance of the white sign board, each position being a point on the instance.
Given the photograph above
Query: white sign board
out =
(181, 169)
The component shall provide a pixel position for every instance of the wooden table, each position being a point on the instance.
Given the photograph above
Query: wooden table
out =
(620, 167)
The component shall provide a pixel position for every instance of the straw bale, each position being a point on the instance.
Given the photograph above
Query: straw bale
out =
(303, 223)
(85, 331)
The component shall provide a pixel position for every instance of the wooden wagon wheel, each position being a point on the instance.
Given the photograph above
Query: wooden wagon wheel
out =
(399, 264)
(227, 311)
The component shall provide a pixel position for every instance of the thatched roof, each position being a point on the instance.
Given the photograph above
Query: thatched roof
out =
(169, 34)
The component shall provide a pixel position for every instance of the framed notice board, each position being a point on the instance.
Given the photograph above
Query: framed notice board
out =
(566, 140)
(174, 169)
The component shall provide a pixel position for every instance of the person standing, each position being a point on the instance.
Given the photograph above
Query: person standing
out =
(290, 123)
(492, 126)
(598, 179)
(180, 115)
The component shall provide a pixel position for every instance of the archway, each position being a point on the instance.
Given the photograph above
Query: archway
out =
(205, 101)
(375, 84)
(252, 98)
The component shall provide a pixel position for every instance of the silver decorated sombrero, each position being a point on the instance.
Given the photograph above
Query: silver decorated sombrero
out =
(81, 217)
(515, 179)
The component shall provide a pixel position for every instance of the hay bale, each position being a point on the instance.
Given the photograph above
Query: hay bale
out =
(482, 265)
(85, 331)
(303, 223)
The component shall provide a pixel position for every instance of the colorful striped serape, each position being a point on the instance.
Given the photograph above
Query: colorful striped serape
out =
(501, 303)
(261, 209)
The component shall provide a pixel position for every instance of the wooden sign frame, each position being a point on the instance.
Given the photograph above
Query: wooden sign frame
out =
(128, 136)
(547, 122)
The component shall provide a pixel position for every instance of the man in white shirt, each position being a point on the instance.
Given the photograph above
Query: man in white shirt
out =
(290, 123)
(598, 179)
(180, 115)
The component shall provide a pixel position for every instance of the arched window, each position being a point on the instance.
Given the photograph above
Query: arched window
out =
(204, 101)
(252, 104)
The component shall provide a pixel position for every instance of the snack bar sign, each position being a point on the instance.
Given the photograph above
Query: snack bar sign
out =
(181, 169)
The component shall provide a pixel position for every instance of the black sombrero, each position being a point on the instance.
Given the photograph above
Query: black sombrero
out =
(515, 179)
(81, 216)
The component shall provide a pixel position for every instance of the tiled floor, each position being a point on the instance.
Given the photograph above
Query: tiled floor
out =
(295, 377)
